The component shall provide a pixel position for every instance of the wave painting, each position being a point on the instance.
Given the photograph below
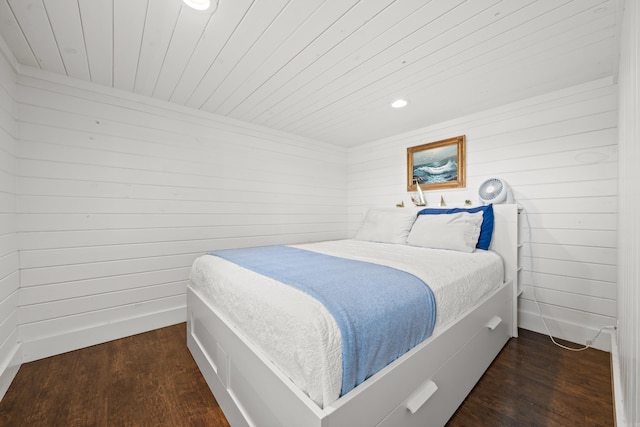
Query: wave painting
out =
(436, 165)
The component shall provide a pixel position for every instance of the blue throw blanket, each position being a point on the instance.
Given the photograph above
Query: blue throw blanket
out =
(381, 312)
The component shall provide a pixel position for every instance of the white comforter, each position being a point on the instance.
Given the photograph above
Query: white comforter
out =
(298, 334)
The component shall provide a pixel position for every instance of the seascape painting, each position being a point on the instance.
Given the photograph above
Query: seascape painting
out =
(435, 165)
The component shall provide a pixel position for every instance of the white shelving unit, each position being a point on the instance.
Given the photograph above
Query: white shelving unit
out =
(512, 264)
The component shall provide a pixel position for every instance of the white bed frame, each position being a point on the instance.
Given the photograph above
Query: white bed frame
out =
(424, 387)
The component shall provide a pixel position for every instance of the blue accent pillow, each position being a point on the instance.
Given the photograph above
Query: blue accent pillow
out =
(486, 229)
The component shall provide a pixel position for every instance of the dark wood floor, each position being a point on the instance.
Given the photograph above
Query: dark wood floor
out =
(148, 379)
(533, 382)
(151, 380)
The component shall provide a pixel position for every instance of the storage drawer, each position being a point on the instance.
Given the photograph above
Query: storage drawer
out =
(454, 379)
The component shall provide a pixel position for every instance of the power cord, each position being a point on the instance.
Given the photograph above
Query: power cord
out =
(590, 342)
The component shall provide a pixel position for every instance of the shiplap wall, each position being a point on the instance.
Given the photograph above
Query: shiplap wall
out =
(10, 356)
(628, 342)
(559, 154)
(118, 194)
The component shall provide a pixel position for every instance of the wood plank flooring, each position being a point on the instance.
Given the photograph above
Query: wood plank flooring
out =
(148, 379)
(151, 380)
(533, 382)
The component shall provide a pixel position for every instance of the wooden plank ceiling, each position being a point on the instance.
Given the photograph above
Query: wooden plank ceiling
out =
(324, 69)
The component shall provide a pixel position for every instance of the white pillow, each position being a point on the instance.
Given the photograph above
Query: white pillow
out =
(458, 231)
(387, 225)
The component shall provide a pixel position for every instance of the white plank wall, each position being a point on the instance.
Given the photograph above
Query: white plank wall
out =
(559, 154)
(627, 363)
(118, 194)
(10, 356)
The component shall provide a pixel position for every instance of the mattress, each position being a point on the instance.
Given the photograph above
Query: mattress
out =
(297, 333)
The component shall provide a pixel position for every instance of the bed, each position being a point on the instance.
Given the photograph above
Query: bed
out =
(423, 386)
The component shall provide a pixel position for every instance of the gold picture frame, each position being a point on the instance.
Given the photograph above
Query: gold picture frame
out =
(437, 165)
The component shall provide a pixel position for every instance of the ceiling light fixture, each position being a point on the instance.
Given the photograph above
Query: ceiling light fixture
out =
(399, 103)
(198, 4)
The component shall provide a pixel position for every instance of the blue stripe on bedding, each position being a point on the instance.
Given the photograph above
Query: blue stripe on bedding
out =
(382, 312)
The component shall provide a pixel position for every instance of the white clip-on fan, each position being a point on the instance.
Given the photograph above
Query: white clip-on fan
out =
(494, 190)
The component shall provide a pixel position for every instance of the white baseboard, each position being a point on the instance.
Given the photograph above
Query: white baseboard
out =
(616, 378)
(10, 369)
(98, 334)
(572, 332)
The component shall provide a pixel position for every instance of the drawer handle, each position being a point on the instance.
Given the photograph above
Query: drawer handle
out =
(421, 396)
(494, 322)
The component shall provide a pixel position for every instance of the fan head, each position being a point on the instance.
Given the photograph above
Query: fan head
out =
(494, 190)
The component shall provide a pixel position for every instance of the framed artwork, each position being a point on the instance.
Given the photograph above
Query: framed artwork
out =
(436, 165)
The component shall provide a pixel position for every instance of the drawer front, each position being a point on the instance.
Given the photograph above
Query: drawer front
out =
(454, 379)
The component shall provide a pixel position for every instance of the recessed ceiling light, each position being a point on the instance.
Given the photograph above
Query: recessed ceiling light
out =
(198, 4)
(399, 103)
